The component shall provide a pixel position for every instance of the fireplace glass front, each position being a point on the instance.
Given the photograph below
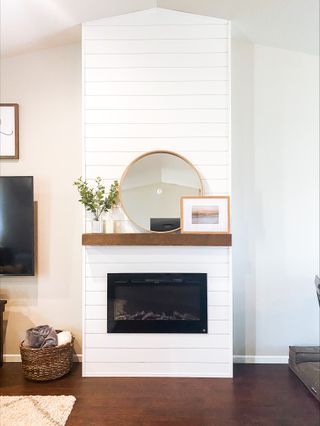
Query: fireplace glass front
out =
(157, 303)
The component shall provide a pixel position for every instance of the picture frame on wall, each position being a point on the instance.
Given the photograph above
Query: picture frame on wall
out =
(9, 131)
(205, 215)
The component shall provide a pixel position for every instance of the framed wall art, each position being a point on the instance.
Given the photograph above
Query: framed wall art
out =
(9, 131)
(205, 215)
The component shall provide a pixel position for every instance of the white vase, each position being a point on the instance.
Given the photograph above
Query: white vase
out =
(118, 218)
(108, 226)
(97, 226)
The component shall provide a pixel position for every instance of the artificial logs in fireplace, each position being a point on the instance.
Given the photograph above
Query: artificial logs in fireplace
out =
(157, 303)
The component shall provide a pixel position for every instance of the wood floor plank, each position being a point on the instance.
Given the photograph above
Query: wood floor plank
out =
(260, 395)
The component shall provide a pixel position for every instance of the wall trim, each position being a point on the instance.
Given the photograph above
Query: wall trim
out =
(148, 374)
(260, 359)
(17, 358)
(237, 359)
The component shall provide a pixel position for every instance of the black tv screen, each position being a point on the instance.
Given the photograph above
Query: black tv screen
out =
(16, 225)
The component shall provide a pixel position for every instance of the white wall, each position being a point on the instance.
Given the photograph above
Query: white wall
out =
(273, 102)
(275, 200)
(162, 95)
(47, 86)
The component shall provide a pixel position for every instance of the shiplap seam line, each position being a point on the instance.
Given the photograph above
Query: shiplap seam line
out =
(154, 53)
(158, 263)
(155, 25)
(156, 362)
(156, 122)
(155, 137)
(155, 81)
(158, 347)
(214, 166)
(156, 109)
(156, 39)
(211, 334)
(157, 67)
(203, 179)
(164, 95)
(142, 152)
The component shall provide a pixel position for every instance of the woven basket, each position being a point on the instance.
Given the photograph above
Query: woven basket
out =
(46, 363)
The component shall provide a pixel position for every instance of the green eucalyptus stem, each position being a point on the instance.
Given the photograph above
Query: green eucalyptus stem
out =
(95, 200)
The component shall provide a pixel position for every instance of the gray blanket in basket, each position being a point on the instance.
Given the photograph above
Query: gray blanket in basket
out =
(42, 336)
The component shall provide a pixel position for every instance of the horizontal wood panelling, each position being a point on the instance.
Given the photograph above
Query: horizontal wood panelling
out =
(156, 88)
(163, 254)
(160, 46)
(101, 269)
(157, 80)
(127, 341)
(115, 172)
(156, 60)
(163, 129)
(201, 101)
(156, 74)
(132, 144)
(96, 326)
(96, 298)
(95, 312)
(160, 32)
(164, 369)
(157, 116)
(218, 298)
(124, 158)
(216, 186)
(219, 313)
(157, 355)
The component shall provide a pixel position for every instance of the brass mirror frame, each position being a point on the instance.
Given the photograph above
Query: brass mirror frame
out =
(125, 173)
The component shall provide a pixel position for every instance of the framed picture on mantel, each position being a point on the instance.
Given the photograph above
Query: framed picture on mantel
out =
(205, 215)
(9, 131)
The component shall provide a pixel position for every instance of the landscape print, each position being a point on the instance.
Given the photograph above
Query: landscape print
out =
(205, 215)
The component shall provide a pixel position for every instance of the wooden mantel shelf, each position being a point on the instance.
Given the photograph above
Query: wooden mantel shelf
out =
(154, 239)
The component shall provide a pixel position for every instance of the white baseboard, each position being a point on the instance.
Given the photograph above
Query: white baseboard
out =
(17, 358)
(237, 359)
(11, 357)
(260, 359)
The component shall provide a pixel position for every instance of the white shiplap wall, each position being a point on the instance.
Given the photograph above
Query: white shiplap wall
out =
(157, 79)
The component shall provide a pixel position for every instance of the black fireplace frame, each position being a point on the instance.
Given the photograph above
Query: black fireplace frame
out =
(154, 326)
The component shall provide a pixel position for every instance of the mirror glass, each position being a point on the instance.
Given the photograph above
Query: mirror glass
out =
(151, 189)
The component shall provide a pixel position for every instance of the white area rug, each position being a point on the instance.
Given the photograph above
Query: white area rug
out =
(35, 410)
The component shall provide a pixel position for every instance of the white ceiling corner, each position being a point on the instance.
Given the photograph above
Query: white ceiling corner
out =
(39, 24)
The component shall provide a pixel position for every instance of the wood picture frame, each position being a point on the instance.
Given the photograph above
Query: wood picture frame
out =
(205, 215)
(9, 131)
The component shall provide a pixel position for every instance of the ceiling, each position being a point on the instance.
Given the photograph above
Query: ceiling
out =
(38, 24)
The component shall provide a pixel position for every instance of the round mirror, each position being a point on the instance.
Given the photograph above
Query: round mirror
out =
(152, 186)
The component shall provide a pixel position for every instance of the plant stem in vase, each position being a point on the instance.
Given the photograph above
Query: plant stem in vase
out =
(97, 225)
(97, 201)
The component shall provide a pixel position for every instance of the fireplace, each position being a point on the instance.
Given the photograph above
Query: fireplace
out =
(157, 303)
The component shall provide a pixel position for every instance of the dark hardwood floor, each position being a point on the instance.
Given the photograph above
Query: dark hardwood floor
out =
(258, 395)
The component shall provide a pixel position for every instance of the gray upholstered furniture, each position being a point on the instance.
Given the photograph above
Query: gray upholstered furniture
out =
(304, 361)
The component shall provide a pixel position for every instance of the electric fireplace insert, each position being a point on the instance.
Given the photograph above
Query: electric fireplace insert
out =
(157, 303)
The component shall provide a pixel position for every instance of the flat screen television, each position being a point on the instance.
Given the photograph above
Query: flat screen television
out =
(16, 225)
